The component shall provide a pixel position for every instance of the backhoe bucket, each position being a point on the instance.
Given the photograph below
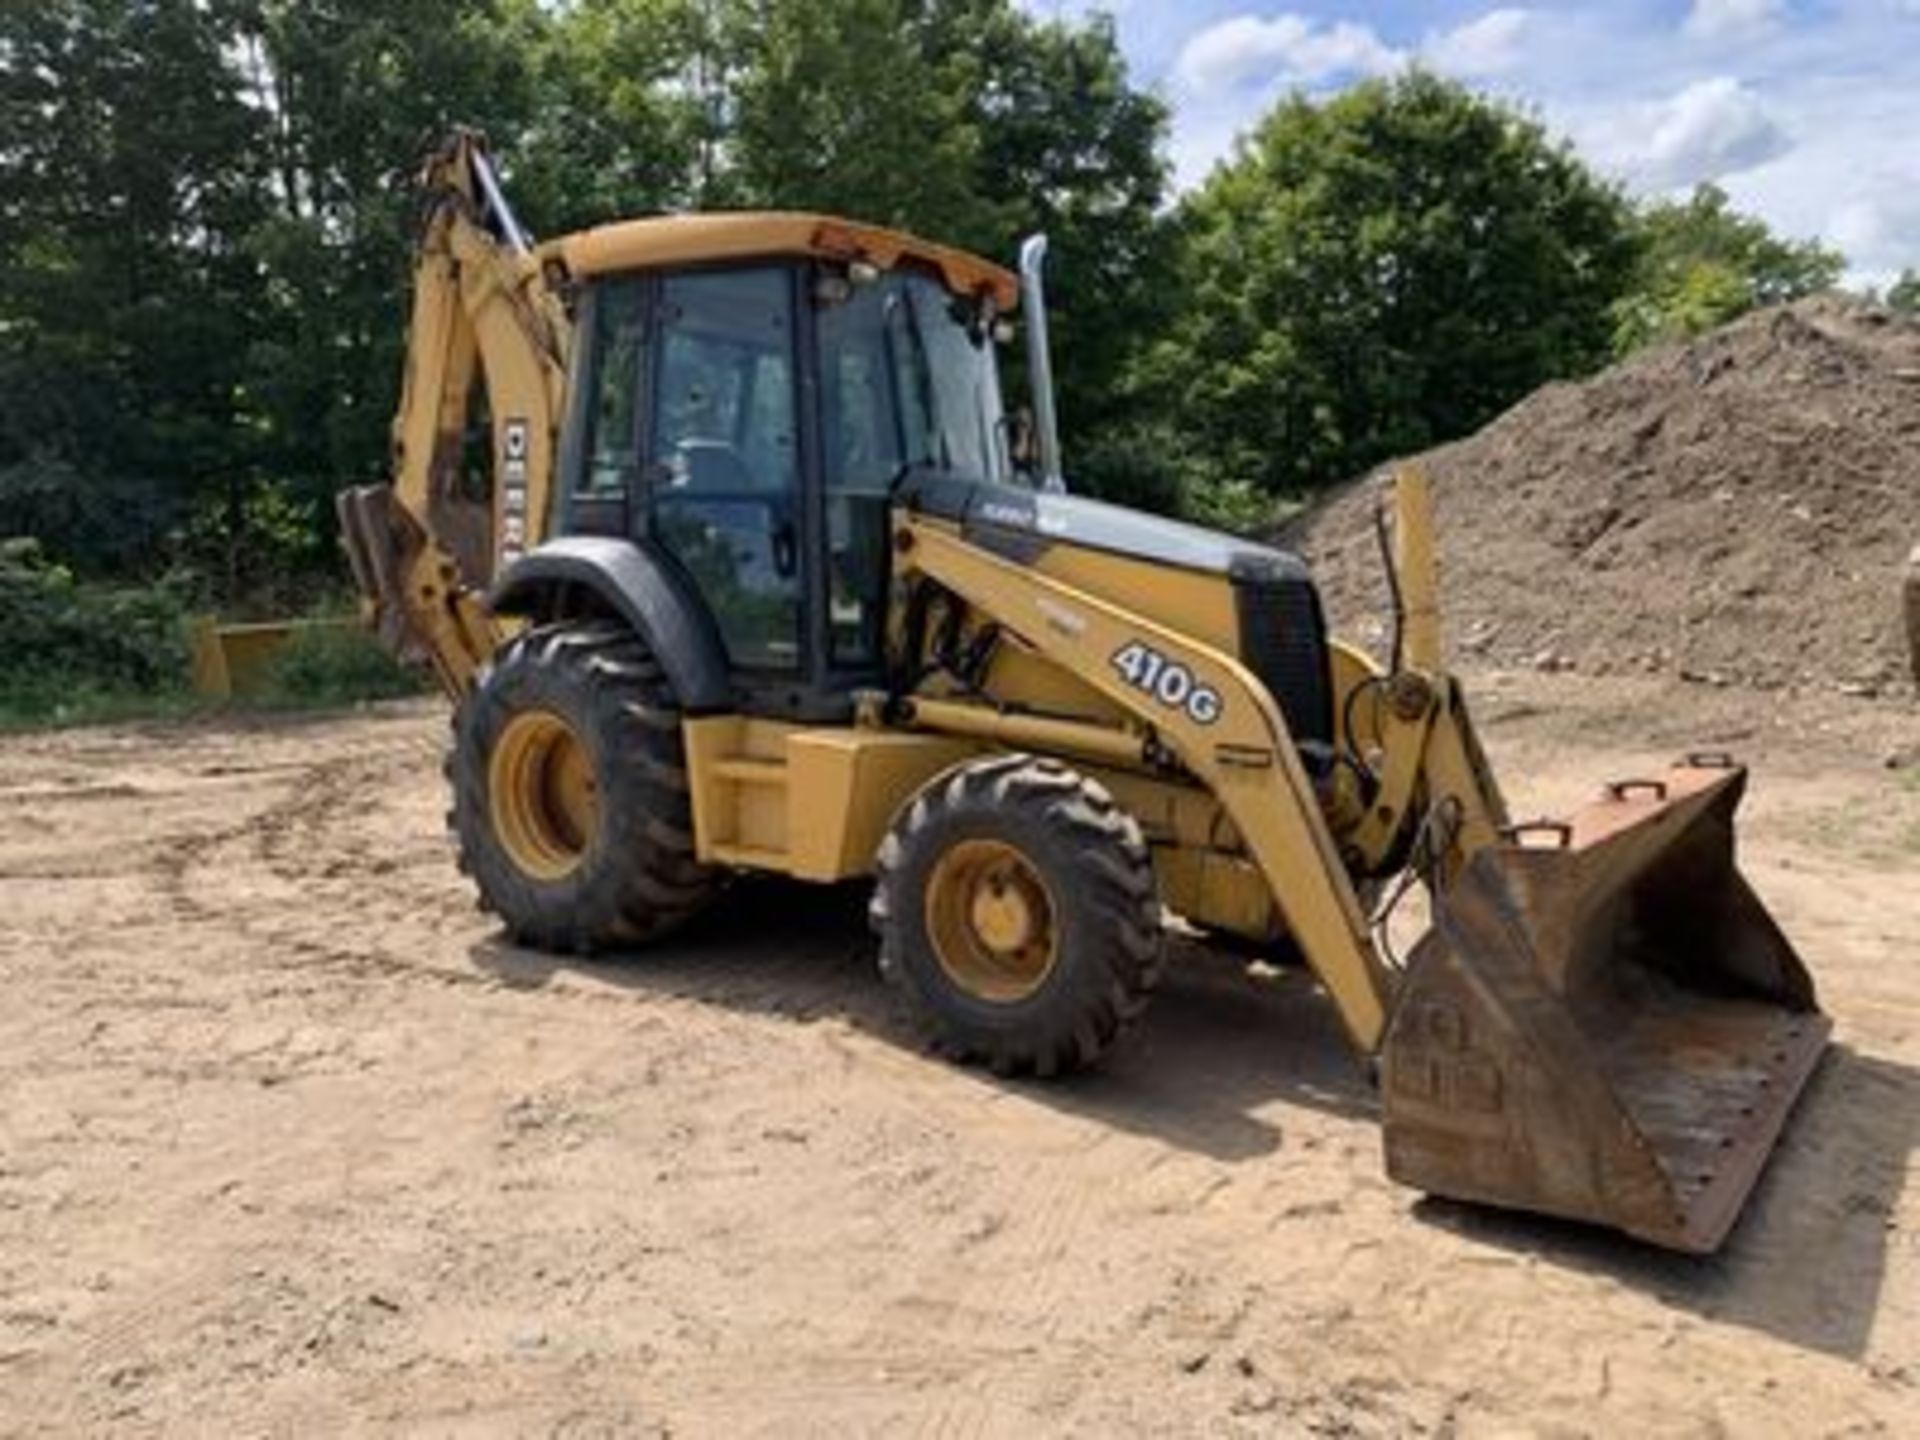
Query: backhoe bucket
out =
(1604, 1023)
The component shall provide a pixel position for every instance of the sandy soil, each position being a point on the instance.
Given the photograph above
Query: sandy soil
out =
(291, 1142)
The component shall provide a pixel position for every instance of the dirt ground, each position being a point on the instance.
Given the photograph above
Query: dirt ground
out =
(291, 1142)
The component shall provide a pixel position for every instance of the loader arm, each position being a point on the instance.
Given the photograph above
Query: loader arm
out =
(1435, 775)
(485, 311)
(1436, 795)
(1239, 747)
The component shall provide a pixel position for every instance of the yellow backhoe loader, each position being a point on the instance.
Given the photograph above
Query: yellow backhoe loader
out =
(716, 530)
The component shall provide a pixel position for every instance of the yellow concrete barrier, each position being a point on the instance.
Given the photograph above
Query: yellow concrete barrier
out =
(230, 660)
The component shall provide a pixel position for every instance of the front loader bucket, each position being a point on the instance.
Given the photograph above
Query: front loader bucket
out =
(1607, 1026)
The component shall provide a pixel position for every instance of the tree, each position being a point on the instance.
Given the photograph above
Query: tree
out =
(127, 299)
(1069, 147)
(1904, 293)
(627, 116)
(1702, 264)
(355, 92)
(1377, 272)
(205, 217)
(841, 105)
(968, 121)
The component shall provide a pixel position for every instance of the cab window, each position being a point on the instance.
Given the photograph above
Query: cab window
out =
(619, 341)
(907, 381)
(724, 473)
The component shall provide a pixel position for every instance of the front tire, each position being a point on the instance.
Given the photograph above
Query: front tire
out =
(1018, 916)
(570, 801)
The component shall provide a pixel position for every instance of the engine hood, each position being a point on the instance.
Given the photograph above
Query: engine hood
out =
(1023, 524)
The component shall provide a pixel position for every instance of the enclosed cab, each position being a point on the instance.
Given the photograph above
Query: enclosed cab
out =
(751, 394)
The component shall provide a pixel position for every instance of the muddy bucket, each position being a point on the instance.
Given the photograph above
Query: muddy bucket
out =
(1604, 1023)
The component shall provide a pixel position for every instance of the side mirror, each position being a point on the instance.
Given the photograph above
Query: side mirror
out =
(1020, 441)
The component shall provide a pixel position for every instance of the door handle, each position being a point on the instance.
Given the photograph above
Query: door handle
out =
(785, 550)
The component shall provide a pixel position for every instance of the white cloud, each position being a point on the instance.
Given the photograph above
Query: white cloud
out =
(1710, 129)
(1244, 50)
(1875, 231)
(1229, 73)
(1732, 20)
(1863, 200)
(1490, 45)
(1814, 135)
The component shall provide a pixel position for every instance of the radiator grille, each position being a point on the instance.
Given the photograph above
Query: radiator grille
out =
(1283, 640)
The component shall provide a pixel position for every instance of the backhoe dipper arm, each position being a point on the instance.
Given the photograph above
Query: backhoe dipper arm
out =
(484, 308)
(1216, 717)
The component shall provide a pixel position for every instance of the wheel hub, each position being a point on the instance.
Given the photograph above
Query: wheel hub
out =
(541, 791)
(1002, 916)
(992, 920)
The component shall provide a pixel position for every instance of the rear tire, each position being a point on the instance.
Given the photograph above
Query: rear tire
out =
(1018, 916)
(570, 801)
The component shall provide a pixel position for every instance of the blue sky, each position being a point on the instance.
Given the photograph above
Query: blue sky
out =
(1806, 111)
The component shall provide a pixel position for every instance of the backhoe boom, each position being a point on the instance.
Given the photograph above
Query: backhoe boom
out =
(485, 318)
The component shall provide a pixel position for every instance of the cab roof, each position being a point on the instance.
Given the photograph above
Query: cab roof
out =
(746, 234)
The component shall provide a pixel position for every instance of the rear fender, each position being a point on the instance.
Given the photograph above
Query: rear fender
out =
(641, 585)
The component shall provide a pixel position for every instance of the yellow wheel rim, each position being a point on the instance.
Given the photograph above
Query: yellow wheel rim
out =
(541, 790)
(992, 920)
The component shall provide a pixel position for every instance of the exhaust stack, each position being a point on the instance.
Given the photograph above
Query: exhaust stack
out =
(1033, 300)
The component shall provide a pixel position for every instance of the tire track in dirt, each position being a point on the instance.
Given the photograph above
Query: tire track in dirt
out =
(345, 837)
(616, 1193)
(290, 839)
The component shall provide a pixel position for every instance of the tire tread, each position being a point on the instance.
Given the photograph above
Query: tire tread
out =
(1110, 870)
(646, 880)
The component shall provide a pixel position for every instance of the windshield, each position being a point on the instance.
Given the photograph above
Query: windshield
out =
(910, 381)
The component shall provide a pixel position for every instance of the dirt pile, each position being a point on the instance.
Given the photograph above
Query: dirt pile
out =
(1736, 510)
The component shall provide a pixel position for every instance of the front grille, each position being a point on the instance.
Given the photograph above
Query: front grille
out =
(1283, 640)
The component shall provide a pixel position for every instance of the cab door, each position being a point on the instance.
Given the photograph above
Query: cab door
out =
(723, 455)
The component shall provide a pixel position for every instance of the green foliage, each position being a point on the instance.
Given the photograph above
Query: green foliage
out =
(113, 522)
(79, 651)
(127, 298)
(1374, 273)
(627, 114)
(206, 217)
(849, 106)
(1149, 465)
(1904, 293)
(70, 642)
(324, 665)
(258, 544)
(1144, 466)
(347, 96)
(205, 225)
(1238, 507)
(1702, 264)
(1068, 146)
